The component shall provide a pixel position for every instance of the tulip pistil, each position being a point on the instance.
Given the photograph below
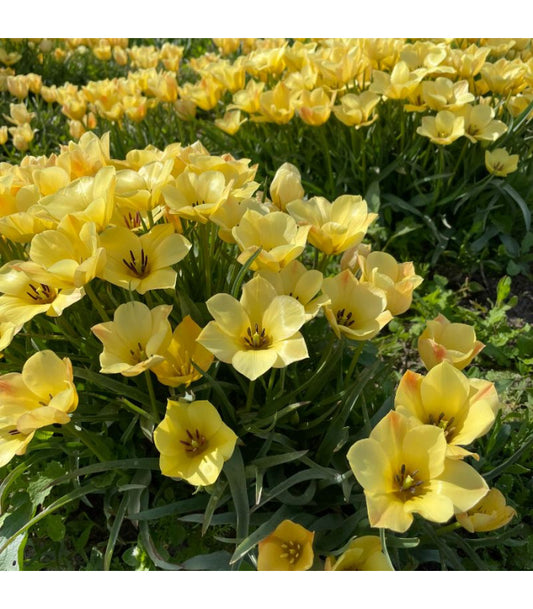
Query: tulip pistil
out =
(291, 550)
(446, 425)
(407, 483)
(196, 443)
(256, 338)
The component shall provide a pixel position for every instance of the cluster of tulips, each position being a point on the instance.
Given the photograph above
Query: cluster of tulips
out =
(136, 237)
(469, 89)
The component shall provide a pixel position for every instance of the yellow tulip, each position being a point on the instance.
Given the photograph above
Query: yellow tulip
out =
(248, 99)
(135, 340)
(443, 129)
(403, 470)
(286, 186)
(22, 299)
(480, 126)
(463, 408)
(314, 107)
(193, 442)
(296, 281)
(500, 163)
(489, 514)
(334, 227)
(258, 332)
(7, 332)
(231, 122)
(443, 340)
(196, 196)
(356, 110)
(356, 311)
(144, 262)
(288, 548)
(277, 234)
(399, 84)
(42, 394)
(363, 554)
(397, 280)
(177, 368)
(68, 257)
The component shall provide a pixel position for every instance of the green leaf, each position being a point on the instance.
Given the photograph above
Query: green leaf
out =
(234, 471)
(372, 197)
(13, 536)
(55, 529)
(216, 561)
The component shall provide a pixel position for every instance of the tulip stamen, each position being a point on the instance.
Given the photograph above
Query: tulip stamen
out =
(139, 271)
(44, 294)
(407, 483)
(291, 550)
(445, 424)
(345, 318)
(256, 338)
(195, 444)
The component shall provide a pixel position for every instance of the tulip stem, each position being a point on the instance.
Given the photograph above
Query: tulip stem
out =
(384, 547)
(448, 528)
(151, 393)
(355, 359)
(92, 297)
(250, 396)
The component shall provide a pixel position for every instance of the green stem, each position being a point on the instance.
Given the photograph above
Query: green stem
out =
(96, 303)
(384, 547)
(448, 528)
(250, 396)
(355, 359)
(151, 393)
(325, 150)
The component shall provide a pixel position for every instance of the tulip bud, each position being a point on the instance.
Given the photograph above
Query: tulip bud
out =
(286, 186)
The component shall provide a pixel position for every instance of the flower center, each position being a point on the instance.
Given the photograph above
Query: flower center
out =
(42, 294)
(137, 267)
(256, 338)
(291, 550)
(345, 318)
(447, 425)
(133, 220)
(407, 483)
(139, 355)
(195, 443)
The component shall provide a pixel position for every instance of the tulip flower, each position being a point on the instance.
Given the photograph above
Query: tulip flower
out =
(463, 408)
(144, 262)
(193, 442)
(397, 280)
(443, 340)
(356, 310)
(304, 285)
(443, 129)
(363, 554)
(334, 227)
(288, 548)
(177, 368)
(256, 333)
(500, 163)
(135, 340)
(489, 514)
(403, 470)
(286, 186)
(42, 394)
(277, 234)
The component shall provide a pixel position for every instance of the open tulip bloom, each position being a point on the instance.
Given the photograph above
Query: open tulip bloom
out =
(403, 470)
